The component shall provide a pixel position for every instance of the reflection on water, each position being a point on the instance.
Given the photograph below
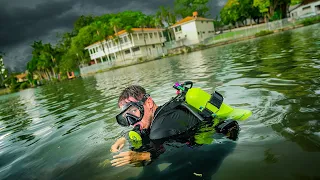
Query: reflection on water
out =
(65, 130)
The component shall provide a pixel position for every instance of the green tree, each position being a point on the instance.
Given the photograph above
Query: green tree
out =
(158, 24)
(81, 22)
(129, 30)
(3, 71)
(141, 22)
(239, 11)
(166, 16)
(116, 24)
(263, 6)
(185, 8)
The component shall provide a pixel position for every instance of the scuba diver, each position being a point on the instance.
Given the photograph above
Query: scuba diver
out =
(153, 125)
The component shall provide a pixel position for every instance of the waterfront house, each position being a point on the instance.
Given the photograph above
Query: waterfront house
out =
(305, 9)
(192, 30)
(141, 43)
(22, 77)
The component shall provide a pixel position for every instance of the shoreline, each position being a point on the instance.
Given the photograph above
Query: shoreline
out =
(199, 48)
(4, 91)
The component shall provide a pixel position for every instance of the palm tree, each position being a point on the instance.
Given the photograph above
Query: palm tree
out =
(130, 32)
(102, 31)
(158, 24)
(116, 24)
(141, 22)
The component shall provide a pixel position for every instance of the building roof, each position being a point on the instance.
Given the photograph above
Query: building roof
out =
(189, 19)
(304, 2)
(21, 76)
(138, 30)
(124, 31)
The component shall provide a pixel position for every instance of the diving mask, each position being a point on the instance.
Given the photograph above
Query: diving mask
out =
(132, 112)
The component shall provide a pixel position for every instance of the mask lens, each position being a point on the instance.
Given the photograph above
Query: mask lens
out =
(132, 110)
(129, 115)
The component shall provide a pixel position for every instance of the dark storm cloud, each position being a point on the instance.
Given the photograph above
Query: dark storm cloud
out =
(24, 21)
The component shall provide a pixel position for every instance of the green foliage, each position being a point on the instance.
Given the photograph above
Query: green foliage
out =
(185, 8)
(238, 11)
(24, 85)
(276, 16)
(165, 15)
(82, 22)
(263, 33)
(309, 21)
(12, 82)
(263, 5)
(294, 2)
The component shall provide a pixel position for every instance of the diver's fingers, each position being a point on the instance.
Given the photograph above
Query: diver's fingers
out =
(121, 163)
(124, 163)
(122, 154)
(117, 159)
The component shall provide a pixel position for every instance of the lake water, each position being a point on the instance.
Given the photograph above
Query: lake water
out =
(65, 130)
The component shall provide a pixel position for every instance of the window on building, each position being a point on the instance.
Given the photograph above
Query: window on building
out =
(121, 40)
(306, 8)
(153, 45)
(127, 51)
(135, 49)
(125, 39)
(160, 34)
(94, 50)
(201, 21)
(198, 33)
(185, 35)
(317, 8)
(207, 22)
(90, 51)
(150, 34)
(177, 29)
(203, 32)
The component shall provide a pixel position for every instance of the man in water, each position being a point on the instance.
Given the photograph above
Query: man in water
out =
(156, 124)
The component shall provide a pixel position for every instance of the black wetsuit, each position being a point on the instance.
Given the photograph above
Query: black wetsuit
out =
(168, 125)
(171, 122)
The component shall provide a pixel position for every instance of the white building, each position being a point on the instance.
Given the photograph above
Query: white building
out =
(143, 43)
(305, 9)
(192, 30)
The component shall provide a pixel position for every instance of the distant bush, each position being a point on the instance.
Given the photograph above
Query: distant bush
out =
(263, 33)
(14, 87)
(24, 85)
(309, 21)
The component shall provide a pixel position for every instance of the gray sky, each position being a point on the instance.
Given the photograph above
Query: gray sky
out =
(24, 21)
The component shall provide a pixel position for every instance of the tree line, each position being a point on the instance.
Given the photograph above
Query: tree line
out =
(238, 11)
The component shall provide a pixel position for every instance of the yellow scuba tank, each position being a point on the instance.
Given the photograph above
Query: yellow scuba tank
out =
(212, 105)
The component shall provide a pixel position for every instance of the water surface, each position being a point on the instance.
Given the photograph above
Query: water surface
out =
(65, 130)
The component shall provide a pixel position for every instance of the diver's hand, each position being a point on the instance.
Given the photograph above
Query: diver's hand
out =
(118, 145)
(130, 157)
